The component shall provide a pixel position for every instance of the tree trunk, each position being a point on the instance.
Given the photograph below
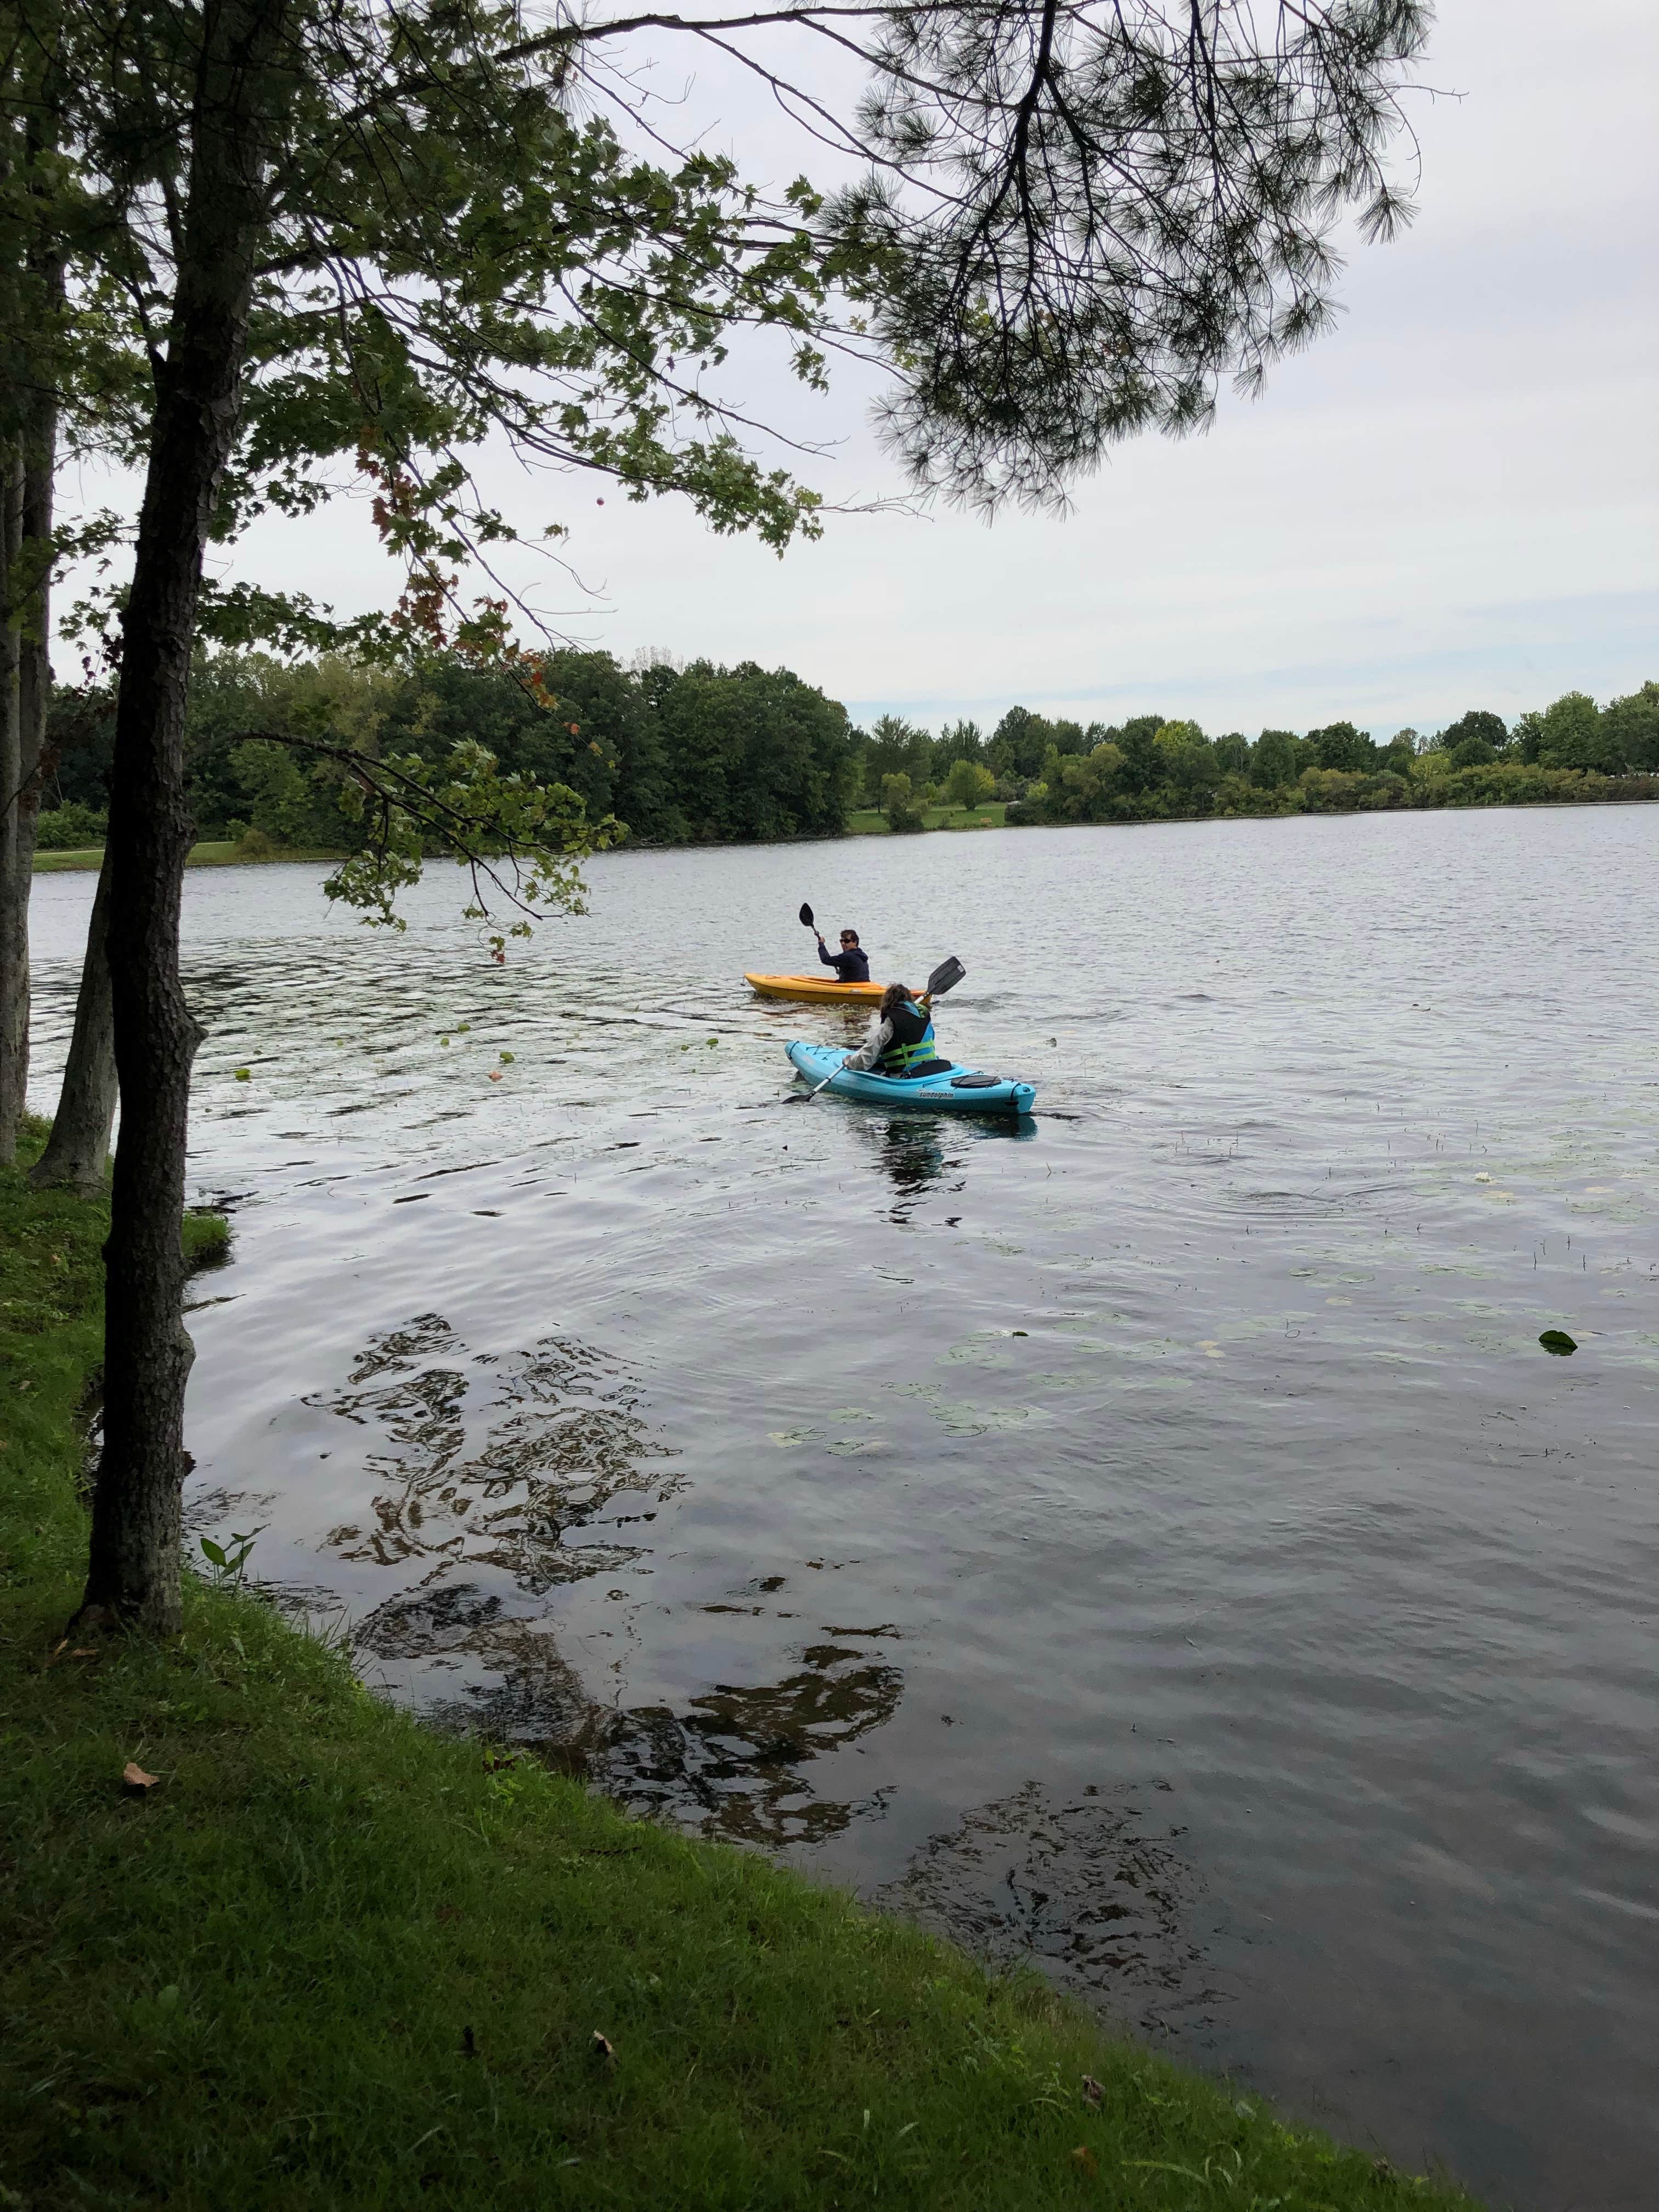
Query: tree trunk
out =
(79, 1144)
(35, 293)
(20, 801)
(133, 1573)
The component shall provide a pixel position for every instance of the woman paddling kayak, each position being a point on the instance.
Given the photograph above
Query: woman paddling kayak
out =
(900, 1040)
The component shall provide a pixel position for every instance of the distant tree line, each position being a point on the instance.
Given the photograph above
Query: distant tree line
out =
(683, 755)
(1154, 767)
(697, 753)
(1149, 768)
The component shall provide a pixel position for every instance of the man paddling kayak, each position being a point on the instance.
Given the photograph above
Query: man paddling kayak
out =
(900, 1041)
(852, 962)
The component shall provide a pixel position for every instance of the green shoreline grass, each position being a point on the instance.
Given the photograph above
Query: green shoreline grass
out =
(1470, 789)
(870, 822)
(225, 853)
(867, 821)
(332, 1958)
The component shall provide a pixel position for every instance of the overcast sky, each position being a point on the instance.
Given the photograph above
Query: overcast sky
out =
(1452, 502)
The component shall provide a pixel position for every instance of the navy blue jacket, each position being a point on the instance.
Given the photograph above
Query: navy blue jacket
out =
(851, 966)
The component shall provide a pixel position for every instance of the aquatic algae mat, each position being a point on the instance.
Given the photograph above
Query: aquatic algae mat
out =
(268, 1942)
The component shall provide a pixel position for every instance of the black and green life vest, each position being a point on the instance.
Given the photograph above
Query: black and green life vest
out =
(910, 1051)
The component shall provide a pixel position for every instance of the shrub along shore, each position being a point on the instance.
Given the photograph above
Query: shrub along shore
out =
(1420, 787)
(323, 1955)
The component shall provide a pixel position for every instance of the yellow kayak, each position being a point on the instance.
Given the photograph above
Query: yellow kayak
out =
(819, 990)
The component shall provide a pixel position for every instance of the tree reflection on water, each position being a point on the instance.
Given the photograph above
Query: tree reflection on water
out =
(493, 1460)
(728, 1765)
(921, 1153)
(732, 1761)
(483, 1469)
(1096, 1894)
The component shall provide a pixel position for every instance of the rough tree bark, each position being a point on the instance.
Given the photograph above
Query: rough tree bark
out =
(134, 1569)
(36, 287)
(20, 798)
(78, 1147)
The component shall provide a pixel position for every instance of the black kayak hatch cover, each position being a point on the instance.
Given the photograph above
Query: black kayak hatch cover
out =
(974, 1082)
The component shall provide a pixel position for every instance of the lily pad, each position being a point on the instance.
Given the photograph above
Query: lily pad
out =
(1558, 1341)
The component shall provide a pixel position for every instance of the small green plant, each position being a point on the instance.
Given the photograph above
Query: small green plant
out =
(228, 1567)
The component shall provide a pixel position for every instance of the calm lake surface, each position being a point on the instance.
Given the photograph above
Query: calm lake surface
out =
(1151, 1539)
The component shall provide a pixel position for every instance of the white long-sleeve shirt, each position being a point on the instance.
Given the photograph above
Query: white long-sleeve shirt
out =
(877, 1038)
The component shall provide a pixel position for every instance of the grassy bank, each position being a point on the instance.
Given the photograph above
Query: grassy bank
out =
(870, 822)
(223, 855)
(331, 1959)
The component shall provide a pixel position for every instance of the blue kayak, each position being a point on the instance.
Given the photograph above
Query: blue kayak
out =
(954, 1089)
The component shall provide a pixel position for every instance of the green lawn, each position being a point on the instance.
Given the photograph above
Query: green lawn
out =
(332, 1959)
(223, 854)
(867, 822)
(870, 822)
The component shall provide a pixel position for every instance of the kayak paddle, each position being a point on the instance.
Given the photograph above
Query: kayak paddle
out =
(945, 977)
(806, 916)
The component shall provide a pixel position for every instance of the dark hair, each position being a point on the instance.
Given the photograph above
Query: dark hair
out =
(894, 996)
(852, 934)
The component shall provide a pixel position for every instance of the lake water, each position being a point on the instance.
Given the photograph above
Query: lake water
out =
(1150, 1539)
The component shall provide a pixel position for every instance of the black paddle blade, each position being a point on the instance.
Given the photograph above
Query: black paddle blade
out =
(945, 977)
(806, 915)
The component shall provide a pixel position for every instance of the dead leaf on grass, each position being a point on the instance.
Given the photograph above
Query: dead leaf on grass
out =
(1084, 2158)
(1092, 2092)
(604, 2048)
(136, 1782)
